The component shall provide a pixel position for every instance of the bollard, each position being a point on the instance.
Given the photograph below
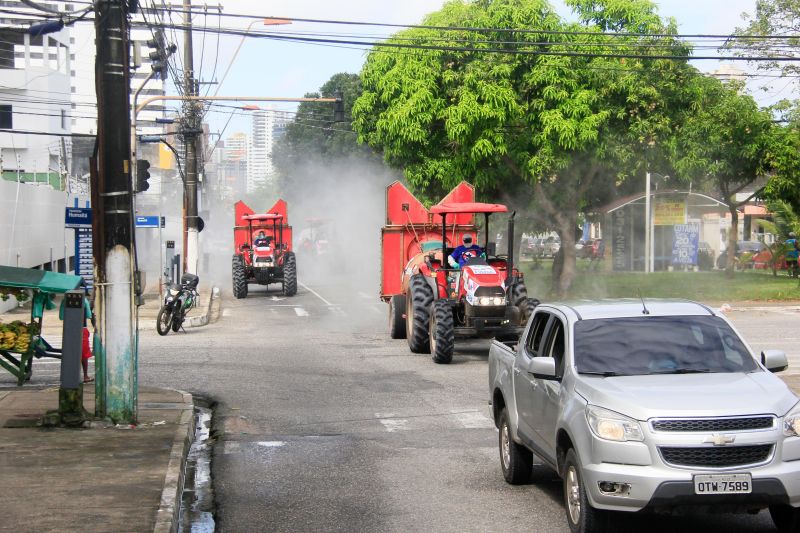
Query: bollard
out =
(70, 393)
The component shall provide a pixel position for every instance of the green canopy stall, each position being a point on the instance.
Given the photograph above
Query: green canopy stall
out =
(21, 341)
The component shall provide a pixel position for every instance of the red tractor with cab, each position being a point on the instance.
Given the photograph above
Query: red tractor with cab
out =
(433, 300)
(263, 249)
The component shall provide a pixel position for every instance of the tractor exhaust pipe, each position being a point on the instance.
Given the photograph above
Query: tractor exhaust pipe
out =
(510, 253)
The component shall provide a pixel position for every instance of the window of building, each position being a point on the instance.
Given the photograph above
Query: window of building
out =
(63, 119)
(5, 117)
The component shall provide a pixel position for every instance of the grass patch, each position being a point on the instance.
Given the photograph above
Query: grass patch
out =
(702, 286)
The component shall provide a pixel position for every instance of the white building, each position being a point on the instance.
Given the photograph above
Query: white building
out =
(267, 125)
(34, 97)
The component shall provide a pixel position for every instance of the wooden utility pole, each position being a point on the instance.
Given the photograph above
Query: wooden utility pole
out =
(191, 128)
(112, 199)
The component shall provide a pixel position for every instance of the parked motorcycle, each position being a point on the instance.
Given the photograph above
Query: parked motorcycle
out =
(178, 301)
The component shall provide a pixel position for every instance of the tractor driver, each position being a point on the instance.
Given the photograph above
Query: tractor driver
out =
(468, 250)
(261, 240)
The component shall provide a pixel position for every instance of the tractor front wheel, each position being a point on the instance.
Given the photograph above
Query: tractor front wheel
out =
(519, 297)
(289, 274)
(239, 277)
(442, 335)
(418, 314)
(397, 324)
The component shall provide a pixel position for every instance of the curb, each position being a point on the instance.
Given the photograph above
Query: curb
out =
(168, 515)
(203, 320)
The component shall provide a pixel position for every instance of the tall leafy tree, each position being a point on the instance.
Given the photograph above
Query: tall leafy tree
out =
(771, 32)
(312, 139)
(727, 139)
(550, 117)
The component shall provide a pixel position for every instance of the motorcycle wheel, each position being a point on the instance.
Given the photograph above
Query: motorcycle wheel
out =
(177, 322)
(164, 321)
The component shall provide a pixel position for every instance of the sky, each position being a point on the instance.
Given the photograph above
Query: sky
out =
(271, 68)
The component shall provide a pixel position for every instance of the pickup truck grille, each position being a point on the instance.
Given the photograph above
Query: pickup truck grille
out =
(714, 424)
(716, 457)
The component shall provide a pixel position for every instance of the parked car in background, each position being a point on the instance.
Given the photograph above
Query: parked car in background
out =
(527, 247)
(748, 248)
(705, 256)
(551, 246)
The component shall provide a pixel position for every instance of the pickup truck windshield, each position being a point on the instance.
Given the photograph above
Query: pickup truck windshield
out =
(659, 345)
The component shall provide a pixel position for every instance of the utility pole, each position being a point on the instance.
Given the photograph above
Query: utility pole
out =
(191, 127)
(112, 199)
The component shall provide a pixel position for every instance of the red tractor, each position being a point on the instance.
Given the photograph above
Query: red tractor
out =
(263, 249)
(431, 303)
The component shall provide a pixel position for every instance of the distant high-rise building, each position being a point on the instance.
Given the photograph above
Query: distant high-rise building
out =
(268, 125)
(234, 163)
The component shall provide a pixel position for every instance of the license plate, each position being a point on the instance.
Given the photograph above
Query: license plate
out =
(723, 484)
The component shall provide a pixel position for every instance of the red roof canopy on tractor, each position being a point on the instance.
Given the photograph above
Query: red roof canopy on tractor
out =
(467, 207)
(266, 216)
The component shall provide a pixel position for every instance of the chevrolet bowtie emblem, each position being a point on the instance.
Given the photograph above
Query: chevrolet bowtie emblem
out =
(719, 440)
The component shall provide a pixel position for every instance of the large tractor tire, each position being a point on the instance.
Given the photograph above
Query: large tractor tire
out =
(442, 336)
(419, 304)
(397, 324)
(239, 277)
(519, 297)
(289, 274)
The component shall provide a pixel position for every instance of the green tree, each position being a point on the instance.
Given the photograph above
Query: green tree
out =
(785, 221)
(771, 18)
(312, 136)
(538, 121)
(728, 140)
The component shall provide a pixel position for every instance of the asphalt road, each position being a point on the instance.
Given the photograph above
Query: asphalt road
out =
(325, 424)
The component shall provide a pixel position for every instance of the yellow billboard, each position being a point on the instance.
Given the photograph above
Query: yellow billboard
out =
(669, 213)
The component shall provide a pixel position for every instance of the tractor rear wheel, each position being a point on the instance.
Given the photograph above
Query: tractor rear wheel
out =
(442, 335)
(519, 297)
(418, 314)
(239, 277)
(397, 324)
(289, 274)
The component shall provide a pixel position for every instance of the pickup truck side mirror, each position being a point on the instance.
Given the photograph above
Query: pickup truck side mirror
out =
(774, 360)
(543, 367)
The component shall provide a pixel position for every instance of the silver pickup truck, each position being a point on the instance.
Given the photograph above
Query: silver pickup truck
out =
(647, 406)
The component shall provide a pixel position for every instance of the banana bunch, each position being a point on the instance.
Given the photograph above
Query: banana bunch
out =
(15, 337)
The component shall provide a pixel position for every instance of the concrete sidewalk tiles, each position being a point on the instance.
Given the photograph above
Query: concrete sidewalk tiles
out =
(96, 479)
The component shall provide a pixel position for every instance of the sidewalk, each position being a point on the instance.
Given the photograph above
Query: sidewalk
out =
(98, 479)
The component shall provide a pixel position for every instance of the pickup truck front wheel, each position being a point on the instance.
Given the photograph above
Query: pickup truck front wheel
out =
(515, 460)
(581, 516)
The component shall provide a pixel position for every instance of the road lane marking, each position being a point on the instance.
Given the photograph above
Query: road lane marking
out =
(231, 447)
(271, 443)
(364, 295)
(473, 420)
(392, 424)
(315, 293)
(299, 311)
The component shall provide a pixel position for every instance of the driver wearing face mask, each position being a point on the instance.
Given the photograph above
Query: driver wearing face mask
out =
(461, 255)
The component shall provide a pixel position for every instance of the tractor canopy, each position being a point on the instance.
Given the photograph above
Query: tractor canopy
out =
(467, 207)
(274, 223)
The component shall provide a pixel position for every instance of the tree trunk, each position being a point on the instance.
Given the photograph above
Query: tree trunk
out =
(733, 233)
(566, 232)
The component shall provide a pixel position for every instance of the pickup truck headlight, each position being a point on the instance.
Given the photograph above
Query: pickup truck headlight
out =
(791, 422)
(609, 425)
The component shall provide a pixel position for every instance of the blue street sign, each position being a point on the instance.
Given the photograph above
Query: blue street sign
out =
(147, 222)
(78, 217)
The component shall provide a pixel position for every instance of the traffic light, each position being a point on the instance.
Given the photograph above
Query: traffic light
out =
(160, 55)
(338, 107)
(142, 175)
